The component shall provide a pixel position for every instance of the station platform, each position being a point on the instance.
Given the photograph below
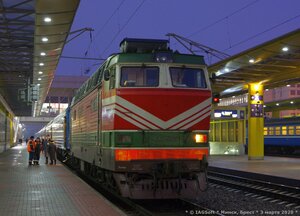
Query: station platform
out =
(46, 189)
(281, 170)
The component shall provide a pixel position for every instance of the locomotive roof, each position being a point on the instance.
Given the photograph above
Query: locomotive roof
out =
(143, 58)
(149, 58)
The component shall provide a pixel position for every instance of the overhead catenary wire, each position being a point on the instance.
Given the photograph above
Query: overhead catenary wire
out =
(104, 25)
(122, 28)
(260, 33)
(92, 41)
(223, 18)
(82, 58)
(80, 32)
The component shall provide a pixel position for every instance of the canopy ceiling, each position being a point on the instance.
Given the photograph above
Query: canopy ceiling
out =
(27, 40)
(274, 63)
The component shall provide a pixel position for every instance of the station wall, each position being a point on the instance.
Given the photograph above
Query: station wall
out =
(6, 129)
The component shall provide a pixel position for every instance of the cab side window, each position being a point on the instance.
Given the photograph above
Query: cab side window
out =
(112, 79)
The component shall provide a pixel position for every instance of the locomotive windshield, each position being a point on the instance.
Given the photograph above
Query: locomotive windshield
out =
(139, 76)
(187, 77)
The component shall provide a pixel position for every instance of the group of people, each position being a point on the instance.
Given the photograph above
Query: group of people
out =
(36, 146)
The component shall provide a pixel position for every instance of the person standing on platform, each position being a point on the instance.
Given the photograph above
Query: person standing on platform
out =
(31, 149)
(52, 152)
(38, 147)
(46, 148)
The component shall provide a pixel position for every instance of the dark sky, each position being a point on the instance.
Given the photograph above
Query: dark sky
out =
(230, 26)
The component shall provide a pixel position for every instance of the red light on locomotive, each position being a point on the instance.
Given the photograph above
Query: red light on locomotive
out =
(216, 100)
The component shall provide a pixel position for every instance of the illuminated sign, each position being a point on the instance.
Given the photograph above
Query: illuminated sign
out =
(226, 114)
(256, 105)
(257, 97)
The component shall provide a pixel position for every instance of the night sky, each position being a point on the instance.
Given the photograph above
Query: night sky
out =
(230, 26)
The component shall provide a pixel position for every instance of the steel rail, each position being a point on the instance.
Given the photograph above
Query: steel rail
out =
(277, 191)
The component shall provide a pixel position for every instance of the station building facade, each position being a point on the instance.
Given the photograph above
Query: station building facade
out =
(60, 94)
(270, 95)
(283, 93)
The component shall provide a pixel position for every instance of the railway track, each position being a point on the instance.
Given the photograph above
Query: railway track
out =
(127, 206)
(267, 190)
(175, 207)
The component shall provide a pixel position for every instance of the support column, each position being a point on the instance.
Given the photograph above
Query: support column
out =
(276, 114)
(255, 122)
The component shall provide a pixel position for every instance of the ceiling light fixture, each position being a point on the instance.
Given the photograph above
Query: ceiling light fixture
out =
(285, 49)
(39, 78)
(45, 39)
(251, 60)
(41, 64)
(40, 72)
(47, 19)
(43, 54)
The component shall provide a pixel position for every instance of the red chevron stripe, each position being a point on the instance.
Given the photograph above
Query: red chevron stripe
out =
(195, 120)
(188, 118)
(132, 119)
(138, 116)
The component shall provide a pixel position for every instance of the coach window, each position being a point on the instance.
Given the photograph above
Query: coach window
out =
(277, 130)
(139, 76)
(283, 130)
(291, 130)
(74, 115)
(183, 77)
(297, 130)
(265, 131)
(271, 130)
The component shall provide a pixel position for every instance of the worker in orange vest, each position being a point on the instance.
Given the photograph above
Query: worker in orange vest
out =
(31, 149)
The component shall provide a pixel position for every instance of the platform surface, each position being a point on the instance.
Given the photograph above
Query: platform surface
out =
(46, 190)
(274, 166)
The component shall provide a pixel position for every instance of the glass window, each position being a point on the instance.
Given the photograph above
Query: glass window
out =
(283, 130)
(293, 92)
(291, 130)
(74, 115)
(271, 131)
(139, 76)
(265, 131)
(187, 77)
(112, 79)
(297, 130)
(63, 100)
(277, 130)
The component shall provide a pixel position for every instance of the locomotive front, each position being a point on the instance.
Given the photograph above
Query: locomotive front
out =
(155, 118)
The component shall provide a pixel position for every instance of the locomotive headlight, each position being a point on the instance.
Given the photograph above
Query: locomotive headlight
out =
(200, 138)
(163, 57)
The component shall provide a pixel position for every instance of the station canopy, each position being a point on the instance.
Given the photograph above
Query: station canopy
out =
(275, 63)
(32, 34)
